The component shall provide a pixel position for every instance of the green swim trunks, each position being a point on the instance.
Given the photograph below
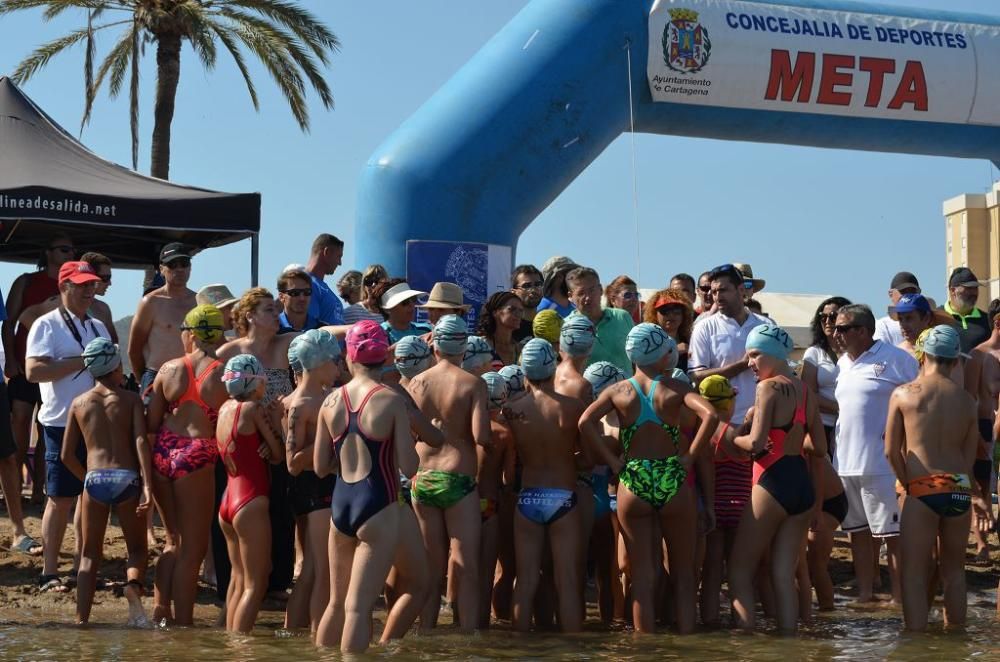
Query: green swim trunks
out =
(440, 489)
(654, 481)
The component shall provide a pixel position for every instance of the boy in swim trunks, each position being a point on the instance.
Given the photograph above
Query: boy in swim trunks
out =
(312, 356)
(111, 422)
(930, 440)
(544, 426)
(444, 489)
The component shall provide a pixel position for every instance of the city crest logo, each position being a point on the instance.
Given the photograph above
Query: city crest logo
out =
(686, 46)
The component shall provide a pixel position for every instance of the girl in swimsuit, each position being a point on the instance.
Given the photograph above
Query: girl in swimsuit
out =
(363, 432)
(183, 408)
(653, 469)
(246, 443)
(783, 494)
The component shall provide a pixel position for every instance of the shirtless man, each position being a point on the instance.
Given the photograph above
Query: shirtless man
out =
(312, 356)
(111, 421)
(444, 488)
(930, 441)
(496, 462)
(155, 337)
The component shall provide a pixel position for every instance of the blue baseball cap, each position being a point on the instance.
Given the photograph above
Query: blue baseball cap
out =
(909, 303)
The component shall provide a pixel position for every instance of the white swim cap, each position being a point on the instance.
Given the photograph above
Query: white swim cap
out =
(412, 356)
(602, 375)
(514, 376)
(450, 334)
(496, 387)
(101, 357)
(577, 335)
(538, 359)
(648, 343)
(477, 353)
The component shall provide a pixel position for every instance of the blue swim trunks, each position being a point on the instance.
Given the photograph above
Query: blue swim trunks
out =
(112, 486)
(545, 505)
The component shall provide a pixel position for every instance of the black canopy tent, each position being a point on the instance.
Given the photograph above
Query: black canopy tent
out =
(50, 182)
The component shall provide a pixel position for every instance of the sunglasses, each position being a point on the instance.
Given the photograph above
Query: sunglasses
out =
(298, 292)
(827, 317)
(628, 295)
(179, 263)
(61, 248)
(537, 285)
(514, 310)
(844, 328)
(105, 277)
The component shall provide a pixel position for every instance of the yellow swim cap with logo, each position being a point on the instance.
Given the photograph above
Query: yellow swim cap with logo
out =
(205, 322)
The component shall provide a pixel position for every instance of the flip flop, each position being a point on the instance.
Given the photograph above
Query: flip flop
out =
(52, 584)
(28, 546)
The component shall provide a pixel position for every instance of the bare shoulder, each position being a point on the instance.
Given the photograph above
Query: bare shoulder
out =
(128, 397)
(332, 400)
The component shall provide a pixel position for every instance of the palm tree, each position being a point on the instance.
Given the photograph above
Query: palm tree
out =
(290, 41)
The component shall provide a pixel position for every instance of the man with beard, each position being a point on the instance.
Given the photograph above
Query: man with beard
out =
(526, 282)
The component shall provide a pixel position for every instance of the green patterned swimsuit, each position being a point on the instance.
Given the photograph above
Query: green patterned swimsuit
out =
(654, 481)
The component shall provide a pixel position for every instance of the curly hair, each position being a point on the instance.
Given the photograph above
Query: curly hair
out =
(380, 291)
(245, 306)
(819, 338)
(684, 330)
(487, 323)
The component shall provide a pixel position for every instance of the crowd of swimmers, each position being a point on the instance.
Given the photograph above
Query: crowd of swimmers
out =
(656, 450)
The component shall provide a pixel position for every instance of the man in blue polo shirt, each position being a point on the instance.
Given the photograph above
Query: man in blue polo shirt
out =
(327, 252)
(295, 292)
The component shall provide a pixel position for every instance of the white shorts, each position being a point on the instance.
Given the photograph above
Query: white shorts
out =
(871, 504)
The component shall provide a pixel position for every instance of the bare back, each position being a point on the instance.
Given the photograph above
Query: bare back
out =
(173, 381)
(570, 382)
(939, 426)
(383, 419)
(109, 421)
(544, 426)
(448, 393)
(301, 413)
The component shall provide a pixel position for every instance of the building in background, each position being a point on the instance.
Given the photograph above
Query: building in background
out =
(972, 239)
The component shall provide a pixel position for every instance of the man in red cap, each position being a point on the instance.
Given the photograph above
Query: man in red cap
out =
(53, 360)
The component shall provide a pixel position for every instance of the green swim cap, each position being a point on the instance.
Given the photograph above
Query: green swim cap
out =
(770, 339)
(450, 334)
(496, 387)
(577, 335)
(603, 374)
(101, 357)
(647, 343)
(538, 359)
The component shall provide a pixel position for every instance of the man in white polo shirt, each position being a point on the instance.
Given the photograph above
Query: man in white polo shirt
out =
(719, 342)
(53, 360)
(869, 372)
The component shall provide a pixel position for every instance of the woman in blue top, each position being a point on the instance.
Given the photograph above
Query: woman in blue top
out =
(397, 303)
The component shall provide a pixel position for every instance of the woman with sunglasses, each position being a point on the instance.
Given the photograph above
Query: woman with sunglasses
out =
(500, 318)
(671, 311)
(623, 293)
(367, 308)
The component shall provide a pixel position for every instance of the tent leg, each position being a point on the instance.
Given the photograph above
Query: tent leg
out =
(254, 260)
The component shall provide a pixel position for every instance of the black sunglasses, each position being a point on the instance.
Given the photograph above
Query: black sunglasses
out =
(844, 328)
(179, 263)
(298, 292)
(105, 277)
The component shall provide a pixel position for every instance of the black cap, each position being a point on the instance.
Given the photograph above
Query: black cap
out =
(174, 251)
(904, 280)
(963, 277)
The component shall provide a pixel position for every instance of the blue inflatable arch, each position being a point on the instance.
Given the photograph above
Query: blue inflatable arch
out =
(546, 95)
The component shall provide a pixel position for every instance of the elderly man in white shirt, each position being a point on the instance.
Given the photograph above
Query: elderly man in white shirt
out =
(718, 342)
(870, 370)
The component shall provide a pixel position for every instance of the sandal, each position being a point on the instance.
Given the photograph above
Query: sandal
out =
(51, 584)
(28, 546)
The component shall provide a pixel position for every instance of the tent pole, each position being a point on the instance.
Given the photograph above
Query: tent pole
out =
(254, 259)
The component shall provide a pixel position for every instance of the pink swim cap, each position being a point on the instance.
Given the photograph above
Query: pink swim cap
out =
(367, 343)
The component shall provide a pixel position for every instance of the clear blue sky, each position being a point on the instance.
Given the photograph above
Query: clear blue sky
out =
(808, 220)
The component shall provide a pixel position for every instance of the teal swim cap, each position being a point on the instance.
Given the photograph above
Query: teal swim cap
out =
(242, 374)
(477, 353)
(514, 376)
(647, 343)
(538, 360)
(100, 357)
(450, 334)
(770, 339)
(577, 335)
(496, 387)
(602, 375)
(681, 376)
(412, 356)
(313, 348)
(943, 342)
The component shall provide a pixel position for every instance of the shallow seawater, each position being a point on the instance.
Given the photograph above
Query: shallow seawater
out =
(842, 635)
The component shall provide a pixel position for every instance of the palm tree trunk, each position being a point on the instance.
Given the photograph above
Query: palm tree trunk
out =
(168, 73)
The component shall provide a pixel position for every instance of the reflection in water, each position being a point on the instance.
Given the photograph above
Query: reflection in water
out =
(843, 636)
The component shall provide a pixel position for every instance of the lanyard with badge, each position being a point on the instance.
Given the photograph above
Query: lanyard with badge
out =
(73, 330)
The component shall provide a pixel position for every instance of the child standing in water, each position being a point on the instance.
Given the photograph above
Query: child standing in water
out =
(112, 424)
(246, 442)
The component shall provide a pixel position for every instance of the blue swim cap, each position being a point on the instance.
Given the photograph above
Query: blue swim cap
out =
(647, 343)
(450, 334)
(577, 335)
(514, 376)
(496, 387)
(602, 375)
(941, 341)
(412, 356)
(477, 353)
(242, 374)
(681, 376)
(312, 348)
(101, 357)
(538, 359)
(770, 339)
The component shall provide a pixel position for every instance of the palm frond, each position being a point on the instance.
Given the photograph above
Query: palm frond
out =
(134, 94)
(115, 62)
(227, 39)
(271, 53)
(41, 55)
(302, 22)
(88, 72)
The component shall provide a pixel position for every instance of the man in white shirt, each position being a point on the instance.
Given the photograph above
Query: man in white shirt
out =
(887, 328)
(718, 342)
(53, 360)
(870, 370)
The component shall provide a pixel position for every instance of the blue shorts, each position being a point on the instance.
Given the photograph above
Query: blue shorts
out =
(112, 486)
(59, 481)
(146, 385)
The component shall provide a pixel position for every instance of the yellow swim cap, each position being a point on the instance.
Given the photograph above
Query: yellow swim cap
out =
(547, 325)
(206, 322)
(716, 389)
(918, 347)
